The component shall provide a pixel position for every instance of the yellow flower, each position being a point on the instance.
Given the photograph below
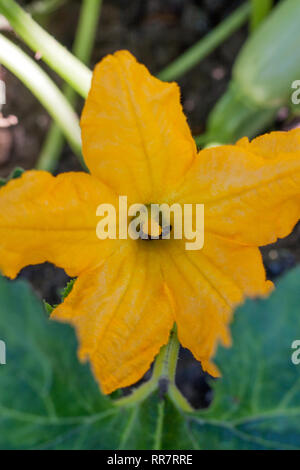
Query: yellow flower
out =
(129, 293)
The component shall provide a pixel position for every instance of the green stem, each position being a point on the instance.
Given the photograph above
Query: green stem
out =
(138, 395)
(57, 57)
(259, 10)
(166, 365)
(179, 400)
(82, 48)
(206, 45)
(51, 149)
(169, 372)
(86, 30)
(43, 88)
(164, 368)
(44, 7)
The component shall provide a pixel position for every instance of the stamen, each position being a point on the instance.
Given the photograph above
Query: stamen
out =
(152, 230)
(151, 225)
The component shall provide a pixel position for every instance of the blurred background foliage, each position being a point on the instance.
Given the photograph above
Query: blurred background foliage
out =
(235, 74)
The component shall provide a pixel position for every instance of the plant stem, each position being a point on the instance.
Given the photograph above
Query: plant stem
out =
(259, 10)
(206, 45)
(165, 365)
(179, 400)
(164, 368)
(82, 48)
(164, 371)
(44, 7)
(43, 88)
(138, 395)
(170, 373)
(86, 30)
(57, 57)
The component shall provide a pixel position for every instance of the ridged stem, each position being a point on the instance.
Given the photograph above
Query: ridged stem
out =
(259, 10)
(72, 70)
(39, 83)
(82, 48)
(206, 45)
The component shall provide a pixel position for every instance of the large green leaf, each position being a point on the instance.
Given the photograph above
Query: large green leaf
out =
(257, 401)
(50, 401)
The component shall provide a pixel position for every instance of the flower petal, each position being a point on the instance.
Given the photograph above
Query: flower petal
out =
(122, 315)
(246, 197)
(207, 285)
(134, 133)
(273, 144)
(47, 218)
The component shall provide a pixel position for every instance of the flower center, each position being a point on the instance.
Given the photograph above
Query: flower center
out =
(150, 224)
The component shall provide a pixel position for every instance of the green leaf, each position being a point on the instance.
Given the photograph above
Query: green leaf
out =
(257, 401)
(67, 289)
(48, 400)
(63, 294)
(48, 307)
(16, 173)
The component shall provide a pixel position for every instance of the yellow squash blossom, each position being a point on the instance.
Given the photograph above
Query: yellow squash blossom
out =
(129, 293)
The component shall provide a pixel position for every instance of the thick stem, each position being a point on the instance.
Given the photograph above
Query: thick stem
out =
(166, 362)
(43, 88)
(86, 30)
(179, 400)
(57, 57)
(206, 45)
(44, 7)
(163, 378)
(259, 10)
(164, 369)
(83, 44)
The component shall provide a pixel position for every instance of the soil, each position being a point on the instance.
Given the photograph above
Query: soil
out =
(156, 32)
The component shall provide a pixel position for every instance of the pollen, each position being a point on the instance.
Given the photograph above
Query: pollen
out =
(151, 228)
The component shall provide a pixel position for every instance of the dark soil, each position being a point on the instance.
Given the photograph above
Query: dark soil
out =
(156, 32)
